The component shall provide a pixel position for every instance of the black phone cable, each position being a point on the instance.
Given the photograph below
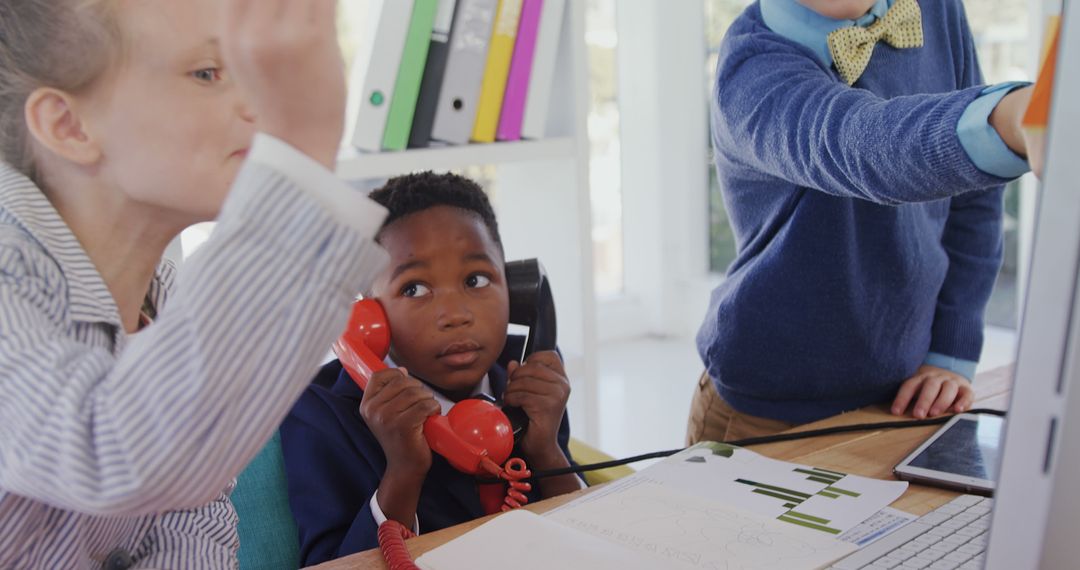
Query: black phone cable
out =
(899, 424)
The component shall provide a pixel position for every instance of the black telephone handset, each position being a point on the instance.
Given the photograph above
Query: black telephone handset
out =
(532, 306)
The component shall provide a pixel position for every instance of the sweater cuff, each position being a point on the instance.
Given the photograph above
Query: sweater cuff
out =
(981, 142)
(957, 336)
(945, 154)
(965, 368)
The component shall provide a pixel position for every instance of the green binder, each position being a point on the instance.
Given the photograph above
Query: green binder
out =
(407, 87)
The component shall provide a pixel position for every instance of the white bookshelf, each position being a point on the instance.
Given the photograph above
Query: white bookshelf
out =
(356, 165)
(542, 202)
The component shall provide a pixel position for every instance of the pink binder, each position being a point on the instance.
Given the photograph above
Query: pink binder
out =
(517, 82)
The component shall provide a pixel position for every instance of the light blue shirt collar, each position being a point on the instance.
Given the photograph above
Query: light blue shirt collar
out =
(796, 22)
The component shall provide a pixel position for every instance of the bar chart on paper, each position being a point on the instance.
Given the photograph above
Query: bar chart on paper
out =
(813, 498)
(791, 499)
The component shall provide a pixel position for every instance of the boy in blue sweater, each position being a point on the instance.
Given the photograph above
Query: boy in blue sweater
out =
(355, 458)
(862, 163)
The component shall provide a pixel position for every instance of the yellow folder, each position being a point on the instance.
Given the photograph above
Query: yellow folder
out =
(496, 71)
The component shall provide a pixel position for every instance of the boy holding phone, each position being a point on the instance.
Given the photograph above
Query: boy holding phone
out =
(355, 458)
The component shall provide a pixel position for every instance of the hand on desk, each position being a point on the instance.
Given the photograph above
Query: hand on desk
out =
(934, 391)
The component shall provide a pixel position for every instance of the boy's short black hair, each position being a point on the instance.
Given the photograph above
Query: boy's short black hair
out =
(411, 193)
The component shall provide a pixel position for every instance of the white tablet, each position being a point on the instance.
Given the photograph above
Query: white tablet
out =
(962, 455)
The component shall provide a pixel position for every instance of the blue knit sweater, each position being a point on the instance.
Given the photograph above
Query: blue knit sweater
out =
(866, 236)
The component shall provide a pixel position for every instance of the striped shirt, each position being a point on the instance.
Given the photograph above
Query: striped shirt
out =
(115, 449)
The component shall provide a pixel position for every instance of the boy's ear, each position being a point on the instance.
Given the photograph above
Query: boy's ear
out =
(53, 121)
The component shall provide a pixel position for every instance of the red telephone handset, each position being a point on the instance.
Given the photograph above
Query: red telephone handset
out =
(473, 429)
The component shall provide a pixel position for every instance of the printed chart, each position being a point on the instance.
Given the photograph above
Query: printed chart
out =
(811, 498)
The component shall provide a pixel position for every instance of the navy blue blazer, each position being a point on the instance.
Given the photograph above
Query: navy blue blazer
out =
(334, 465)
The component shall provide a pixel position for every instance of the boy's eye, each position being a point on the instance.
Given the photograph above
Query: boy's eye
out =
(414, 290)
(207, 75)
(476, 280)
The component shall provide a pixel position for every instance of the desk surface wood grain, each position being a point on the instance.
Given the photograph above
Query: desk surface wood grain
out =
(870, 454)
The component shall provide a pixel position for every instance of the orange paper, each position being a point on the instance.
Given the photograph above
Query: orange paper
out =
(1037, 114)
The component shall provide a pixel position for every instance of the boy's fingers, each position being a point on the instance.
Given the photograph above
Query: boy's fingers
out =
(548, 358)
(904, 395)
(965, 399)
(382, 379)
(539, 371)
(946, 397)
(929, 391)
(399, 399)
(533, 391)
(422, 407)
(389, 385)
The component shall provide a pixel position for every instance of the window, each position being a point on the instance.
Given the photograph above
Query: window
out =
(605, 183)
(1001, 33)
(718, 16)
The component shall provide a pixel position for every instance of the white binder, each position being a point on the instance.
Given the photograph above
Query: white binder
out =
(469, 40)
(375, 70)
(538, 100)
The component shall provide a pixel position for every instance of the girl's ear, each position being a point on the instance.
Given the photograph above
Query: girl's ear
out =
(54, 122)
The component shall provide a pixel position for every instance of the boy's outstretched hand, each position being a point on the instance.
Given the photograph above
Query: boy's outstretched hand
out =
(933, 391)
(1008, 118)
(540, 388)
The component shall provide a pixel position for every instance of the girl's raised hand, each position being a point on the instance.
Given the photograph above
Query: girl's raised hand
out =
(285, 57)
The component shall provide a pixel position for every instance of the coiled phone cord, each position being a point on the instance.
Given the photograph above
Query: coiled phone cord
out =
(392, 534)
(514, 473)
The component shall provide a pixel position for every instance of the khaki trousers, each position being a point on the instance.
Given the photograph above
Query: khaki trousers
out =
(712, 419)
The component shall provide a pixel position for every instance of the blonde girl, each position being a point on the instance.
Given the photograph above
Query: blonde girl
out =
(123, 417)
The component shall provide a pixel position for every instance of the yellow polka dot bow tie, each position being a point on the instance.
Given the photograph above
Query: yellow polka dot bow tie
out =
(851, 47)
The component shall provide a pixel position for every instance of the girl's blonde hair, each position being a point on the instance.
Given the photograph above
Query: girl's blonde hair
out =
(63, 44)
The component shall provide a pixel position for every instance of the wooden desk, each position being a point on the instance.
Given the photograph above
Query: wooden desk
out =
(870, 454)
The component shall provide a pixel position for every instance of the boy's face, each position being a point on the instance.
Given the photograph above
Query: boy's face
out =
(446, 297)
(172, 124)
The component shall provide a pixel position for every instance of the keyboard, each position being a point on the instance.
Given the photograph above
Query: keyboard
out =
(951, 537)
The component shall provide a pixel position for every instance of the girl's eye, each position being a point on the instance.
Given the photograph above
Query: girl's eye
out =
(477, 281)
(208, 75)
(414, 290)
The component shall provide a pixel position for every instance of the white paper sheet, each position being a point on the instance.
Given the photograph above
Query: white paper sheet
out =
(646, 528)
(693, 533)
(826, 501)
(521, 540)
